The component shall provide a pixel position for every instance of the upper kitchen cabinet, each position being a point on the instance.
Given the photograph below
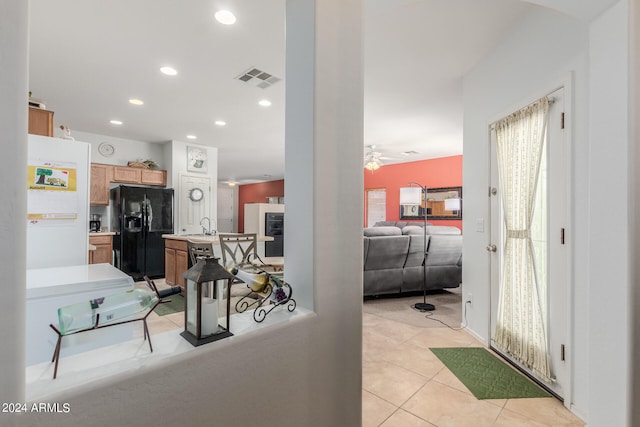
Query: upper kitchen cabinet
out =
(100, 178)
(154, 177)
(102, 175)
(127, 175)
(40, 122)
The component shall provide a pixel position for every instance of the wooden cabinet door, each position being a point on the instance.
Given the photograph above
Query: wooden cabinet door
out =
(170, 266)
(182, 265)
(99, 190)
(176, 262)
(154, 177)
(40, 122)
(102, 254)
(127, 175)
(104, 249)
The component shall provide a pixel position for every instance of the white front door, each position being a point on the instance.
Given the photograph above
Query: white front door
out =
(548, 231)
(225, 208)
(191, 209)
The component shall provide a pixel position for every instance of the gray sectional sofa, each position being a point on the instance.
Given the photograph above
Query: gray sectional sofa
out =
(393, 258)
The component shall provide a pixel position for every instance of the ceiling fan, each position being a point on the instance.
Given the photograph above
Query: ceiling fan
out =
(373, 159)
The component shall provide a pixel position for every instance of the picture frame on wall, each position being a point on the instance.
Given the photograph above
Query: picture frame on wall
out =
(197, 159)
(441, 203)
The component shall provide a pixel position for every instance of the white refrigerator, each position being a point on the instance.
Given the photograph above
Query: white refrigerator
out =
(58, 174)
(57, 202)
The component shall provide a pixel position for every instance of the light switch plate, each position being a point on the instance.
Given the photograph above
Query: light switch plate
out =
(480, 225)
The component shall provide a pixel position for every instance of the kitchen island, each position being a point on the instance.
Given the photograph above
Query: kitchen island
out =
(176, 256)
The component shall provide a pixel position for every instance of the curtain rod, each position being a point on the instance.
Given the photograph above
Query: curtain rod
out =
(550, 100)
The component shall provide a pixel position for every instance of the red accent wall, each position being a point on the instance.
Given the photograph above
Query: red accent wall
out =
(432, 173)
(257, 193)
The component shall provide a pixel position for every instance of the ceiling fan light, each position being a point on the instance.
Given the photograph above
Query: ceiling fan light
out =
(372, 165)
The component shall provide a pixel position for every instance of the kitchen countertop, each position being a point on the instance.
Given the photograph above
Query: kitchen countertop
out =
(102, 233)
(206, 239)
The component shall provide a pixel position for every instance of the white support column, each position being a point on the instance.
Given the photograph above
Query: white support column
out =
(14, 30)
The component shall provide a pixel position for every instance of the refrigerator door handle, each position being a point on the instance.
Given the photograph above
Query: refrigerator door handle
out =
(149, 216)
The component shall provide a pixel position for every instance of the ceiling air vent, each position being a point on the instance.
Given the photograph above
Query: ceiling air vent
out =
(259, 78)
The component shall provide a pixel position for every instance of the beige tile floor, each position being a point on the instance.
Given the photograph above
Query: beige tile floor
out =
(404, 384)
(159, 324)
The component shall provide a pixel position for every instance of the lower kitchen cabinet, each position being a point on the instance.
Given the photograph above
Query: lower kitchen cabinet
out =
(176, 262)
(104, 249)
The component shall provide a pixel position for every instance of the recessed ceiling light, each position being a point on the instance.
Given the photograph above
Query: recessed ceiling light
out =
(135, 101)
(265, 103)
(169, 71)
(225, 17)
(192, 137)
(115, 122)
(220, 123)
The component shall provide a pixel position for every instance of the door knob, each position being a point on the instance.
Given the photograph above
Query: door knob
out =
(492, 248)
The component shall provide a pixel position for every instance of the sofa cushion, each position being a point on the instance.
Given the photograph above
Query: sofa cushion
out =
(444, 250)
(443, 276)
(415, 255)
(443, 229)
(382, 281)
(413, 230)
(366, 249)
(399, 224)
(385, 224)
(386, 252)
(382, 231)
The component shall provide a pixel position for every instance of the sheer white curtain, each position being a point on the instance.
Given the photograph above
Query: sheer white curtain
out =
(520, 328)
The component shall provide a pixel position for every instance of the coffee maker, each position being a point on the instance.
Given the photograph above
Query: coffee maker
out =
(94, 224)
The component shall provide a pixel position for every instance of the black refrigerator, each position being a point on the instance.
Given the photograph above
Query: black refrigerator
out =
(139, 217)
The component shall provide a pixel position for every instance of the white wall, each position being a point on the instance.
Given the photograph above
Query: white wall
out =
(498, 85)
(634, 198)
(126, 150)
(608, 263)
(307, 373)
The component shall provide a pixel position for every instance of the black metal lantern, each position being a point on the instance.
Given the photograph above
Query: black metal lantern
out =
(207, 303)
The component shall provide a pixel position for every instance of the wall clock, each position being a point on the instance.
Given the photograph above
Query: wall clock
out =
(196, 159)
(106, 149)
(196, 194)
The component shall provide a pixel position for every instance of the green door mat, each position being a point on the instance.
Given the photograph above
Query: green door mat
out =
(486, 376)
(176, 305)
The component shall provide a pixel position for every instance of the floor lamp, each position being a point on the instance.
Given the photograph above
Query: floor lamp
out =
(413, 196)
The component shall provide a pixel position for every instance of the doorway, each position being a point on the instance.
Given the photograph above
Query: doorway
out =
(547, 245)
(226, 211)
(375, 205)
(193, 203)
